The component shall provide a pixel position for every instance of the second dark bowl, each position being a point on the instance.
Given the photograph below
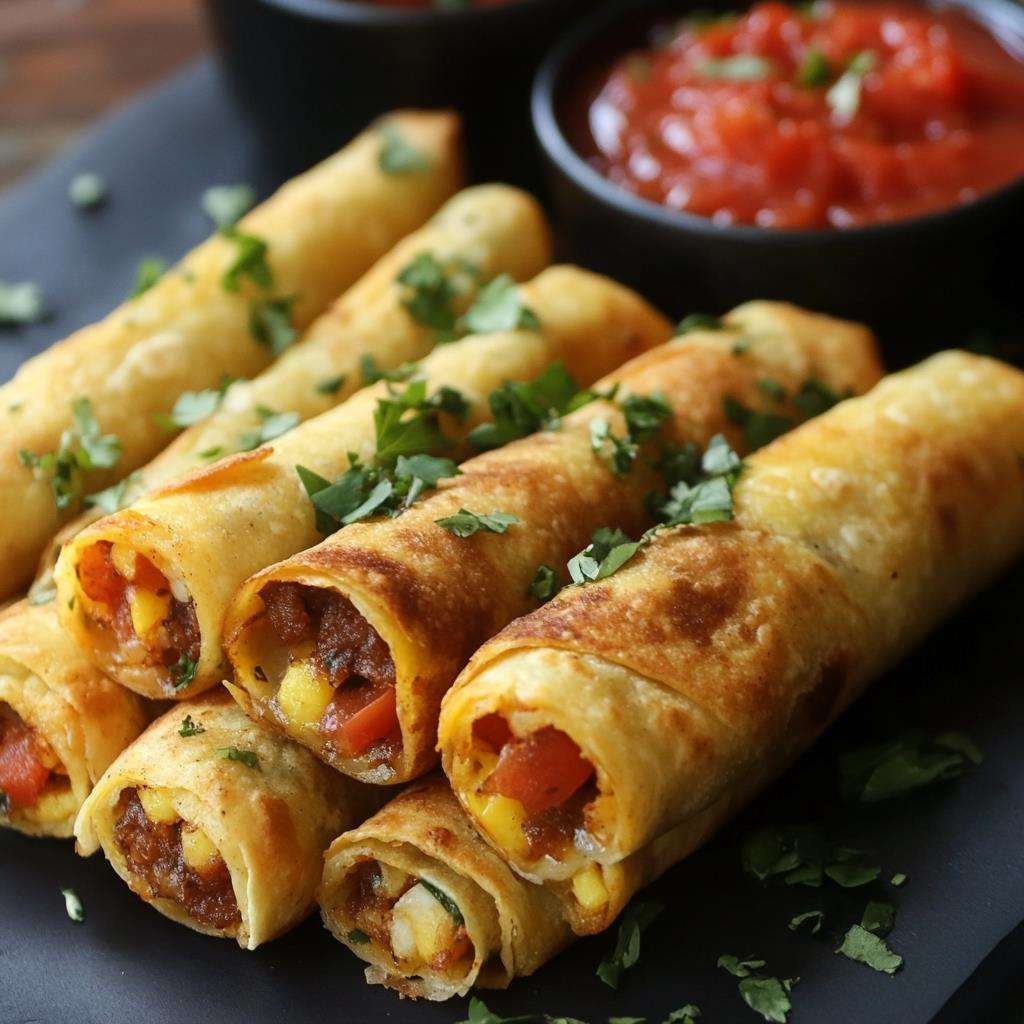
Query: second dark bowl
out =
(923, 283)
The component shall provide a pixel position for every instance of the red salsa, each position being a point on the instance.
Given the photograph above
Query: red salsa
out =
(832, 115)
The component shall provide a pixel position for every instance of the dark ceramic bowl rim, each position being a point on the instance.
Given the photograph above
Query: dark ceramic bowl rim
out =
(366, 13)
(558, 149)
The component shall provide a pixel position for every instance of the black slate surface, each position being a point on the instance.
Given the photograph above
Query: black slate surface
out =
(960, 843)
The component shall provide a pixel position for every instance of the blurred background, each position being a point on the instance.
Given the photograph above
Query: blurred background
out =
(64, 63)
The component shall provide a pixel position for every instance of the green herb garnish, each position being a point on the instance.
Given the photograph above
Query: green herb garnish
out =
(397, 155)
(247, 757)
(358, 936)
(371, 372)
(499, 307)
(762, 427)
(430, 289)
(190, 728)
(273, 425)
(465, 523)
(87, 191)
(879, 917)
(330, 385)
(479, 1014)
(147, 273)
(764, 995)
(183, 671)
(898, 879)
(545, 583)
(445, 900)
(609, 549)
(636, 919)
(814, 70)
(699, 322)
(225, 204)
(867, 948)
(813, 918)
(20, 303)
(705, 496)
(270, 323)
(804, 855)
(73, 905)
(115, 497)
(190, 408)
(250, 260)
(739, 968)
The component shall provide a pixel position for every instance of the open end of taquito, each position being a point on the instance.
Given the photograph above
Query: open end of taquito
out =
(430, 907)
(218, 822)
(61, 723)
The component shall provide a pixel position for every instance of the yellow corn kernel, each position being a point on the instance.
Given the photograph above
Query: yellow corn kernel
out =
(123, 559)
(589, 889)
(197, 848)
(302, 696)
(55, 804)
(158, 805)
(147, 609)
(503, 819)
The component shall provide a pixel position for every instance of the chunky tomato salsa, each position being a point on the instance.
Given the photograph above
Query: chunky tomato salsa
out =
(830, 115)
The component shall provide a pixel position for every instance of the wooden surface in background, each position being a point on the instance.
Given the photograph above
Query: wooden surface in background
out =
(64, 63)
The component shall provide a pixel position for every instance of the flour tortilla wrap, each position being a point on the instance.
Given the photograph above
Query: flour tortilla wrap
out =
(494, 228)
(187, 332)
(209, 530)
(83, 719)
(694, 675)
(432, 598)
(513, 927)
(264, 824)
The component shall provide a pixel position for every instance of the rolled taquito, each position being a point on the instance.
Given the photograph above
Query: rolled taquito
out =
(429, 905)
(479, 234)
(82, 414)
(606, 735)
(352, 644)
(219, 823)
(61, 723)
(144, 591)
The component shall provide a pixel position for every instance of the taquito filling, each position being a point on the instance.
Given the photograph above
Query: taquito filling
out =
(34, 784)
(333, 675)
(173, 859)
(412, 922)
(144, 619)
(536, 796)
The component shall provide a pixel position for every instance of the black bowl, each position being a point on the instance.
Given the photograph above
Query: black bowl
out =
(923, 283)
(311, 73)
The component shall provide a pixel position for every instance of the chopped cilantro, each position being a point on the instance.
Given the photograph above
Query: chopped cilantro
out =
(814, 70)
(372, 373)
(609, 549)
(645, 414)
(740, 968)
(115, 497)
(445, 900)
(887, 770)
(767, 996)
(330, 385)
(430, 288)
(879, 917)
(190, 728)
(844, 97)
(73, 905)
(705, 496)
(813, 918)
(465, 523)
(803, 855)
(273, 425)
(545, 583)
(816, 397)
(270, 323)
(87, 191)
(82, 448)
(479, 1014)
(358, 936)
(499, 307)
(636, 919)
(865, 947)
(620, 452)
(742, 67)
(147, 273)
(190, 408)
(397, 154)
(247, 757)
(249, 260)
(212, 453)
(687, 1014)
(851, 876)
(772, 389)
(761, 428)
(225, 204)
(183, 671)
(898, 879)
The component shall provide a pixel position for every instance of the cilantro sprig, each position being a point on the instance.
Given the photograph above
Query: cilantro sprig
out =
(465, 523)
(183, 671)
(247, 757)
(635, 921)
(272, 425)
(21, 302)
(270, 322)
(397, 155)
(761, 427)
(82, 448)
(226, 204)
(765, 995)
(804, 855)
(147, 273)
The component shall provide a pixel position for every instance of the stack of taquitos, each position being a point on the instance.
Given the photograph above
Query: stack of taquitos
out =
(194, 326)
(144, 591)
(691, 677)
(414, 601)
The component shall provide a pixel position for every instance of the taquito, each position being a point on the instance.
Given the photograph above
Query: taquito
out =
(144, 591)
(62, 722)
(429, 905)
(607, 734)
(352, 644)
(218, 822)
(481, 233)
(82, 414)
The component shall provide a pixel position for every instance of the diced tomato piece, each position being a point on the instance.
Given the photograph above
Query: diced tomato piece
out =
(541, 771)
(360, 715)
(23, 776)
(493, 730)
(97, 575)
(148, 576)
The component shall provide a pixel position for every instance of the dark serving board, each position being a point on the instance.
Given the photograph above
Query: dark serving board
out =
(959, 915)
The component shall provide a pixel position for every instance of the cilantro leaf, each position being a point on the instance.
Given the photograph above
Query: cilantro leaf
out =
(247, 757)
(249, 261)
(330, 385)
(183, 671)
(687, 1014)
(20, 303)
(898, 879)
(397, 154)
(270, 323)
(273, 425)
(759, 428)
(767, 996)
(815, 918)
(609, 549)
(545, 583)
(499, 307)
(73, 905)
(699, 322)
(445, 900)
(430, 288)
(371, 372)
(115, 497)
(147, 273)
(887, 770)
(851, 876)
(87, 191)
(645, 414)
(620, 452)
(879, 917)
(190, 408)
(867, 948)
(225, 204)
(636, 919)
(358, 936)
(190, 728)
(816, 397)
(465, 523)
(740, 968)
(479, 1014)
(814, 70)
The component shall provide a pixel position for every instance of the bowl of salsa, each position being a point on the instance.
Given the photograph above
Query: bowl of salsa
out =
(863, 157)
